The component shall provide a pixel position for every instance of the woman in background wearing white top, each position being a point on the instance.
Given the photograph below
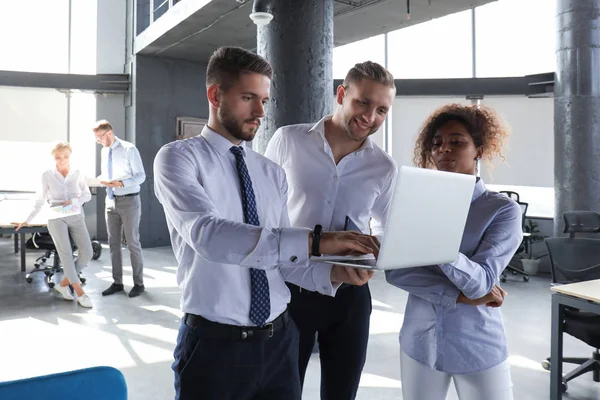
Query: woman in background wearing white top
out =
(63, 186)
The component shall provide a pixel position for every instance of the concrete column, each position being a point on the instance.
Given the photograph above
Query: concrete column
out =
(298, 42)
(577, 108)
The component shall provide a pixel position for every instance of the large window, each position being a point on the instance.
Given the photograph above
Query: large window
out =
(440, 48)
(35, 35)
(370, 49)
(515, 37)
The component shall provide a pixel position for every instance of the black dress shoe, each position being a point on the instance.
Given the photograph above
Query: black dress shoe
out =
(137, 290)
(114, 288)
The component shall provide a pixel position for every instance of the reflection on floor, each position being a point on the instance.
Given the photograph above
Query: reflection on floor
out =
(40, 334)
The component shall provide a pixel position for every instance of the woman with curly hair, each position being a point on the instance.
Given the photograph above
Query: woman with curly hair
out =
(453, 328)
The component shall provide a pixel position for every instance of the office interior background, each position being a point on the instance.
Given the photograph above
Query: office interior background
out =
(140, 64)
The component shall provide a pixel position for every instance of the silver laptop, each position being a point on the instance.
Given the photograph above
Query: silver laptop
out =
(426, 222)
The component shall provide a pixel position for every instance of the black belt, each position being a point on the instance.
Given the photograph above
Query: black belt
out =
(128, 195)
(233, 332)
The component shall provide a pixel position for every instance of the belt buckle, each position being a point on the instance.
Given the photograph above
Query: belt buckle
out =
(271, 329)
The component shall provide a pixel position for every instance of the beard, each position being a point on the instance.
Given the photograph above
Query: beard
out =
(235, 127)
(351, 134)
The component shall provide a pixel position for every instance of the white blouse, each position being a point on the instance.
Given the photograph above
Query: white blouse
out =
(57, 189)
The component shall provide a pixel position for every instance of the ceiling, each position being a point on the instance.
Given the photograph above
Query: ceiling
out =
(193, 29)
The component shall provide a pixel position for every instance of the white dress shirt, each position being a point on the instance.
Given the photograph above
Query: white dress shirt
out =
(359, 186)
(56, 189)
(197, 182)
(126, 166)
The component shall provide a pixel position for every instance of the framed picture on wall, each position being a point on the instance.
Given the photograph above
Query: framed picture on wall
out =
(188, 127)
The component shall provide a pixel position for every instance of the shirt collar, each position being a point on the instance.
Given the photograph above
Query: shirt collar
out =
(57, 173)
(116, 143)
(218, 142)
(319, 127)
(479, 189)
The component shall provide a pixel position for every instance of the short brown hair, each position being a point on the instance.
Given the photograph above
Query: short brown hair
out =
(227, 63)
(369, 70)
(102, 125)
(60, 146)
(484, 125)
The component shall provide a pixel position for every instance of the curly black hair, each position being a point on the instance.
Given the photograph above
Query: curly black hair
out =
(484, 125)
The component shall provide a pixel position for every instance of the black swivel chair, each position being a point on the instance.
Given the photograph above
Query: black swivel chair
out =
(524, 247)
(43, 241)
(576, 259)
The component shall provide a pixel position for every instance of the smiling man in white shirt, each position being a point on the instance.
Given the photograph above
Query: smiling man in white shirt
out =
(335, 171)
(226, 209)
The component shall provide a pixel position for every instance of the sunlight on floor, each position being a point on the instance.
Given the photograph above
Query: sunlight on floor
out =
(151, 331)
(377, 303)
(175, 311)
(385, 322)
(524, 362)
(62, 345)
(371, 380)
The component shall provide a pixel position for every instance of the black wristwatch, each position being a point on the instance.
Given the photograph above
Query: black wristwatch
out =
(316, 240)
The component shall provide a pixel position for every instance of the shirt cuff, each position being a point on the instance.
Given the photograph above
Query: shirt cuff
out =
(293, 247)
(321, 275)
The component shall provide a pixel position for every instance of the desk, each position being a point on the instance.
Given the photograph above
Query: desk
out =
(15, 207)
(584, 296)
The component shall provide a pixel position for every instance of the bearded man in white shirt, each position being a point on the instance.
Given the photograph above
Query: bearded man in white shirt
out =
(335, 171)
(226, 209)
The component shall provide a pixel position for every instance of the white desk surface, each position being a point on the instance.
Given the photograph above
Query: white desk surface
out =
(588, 290)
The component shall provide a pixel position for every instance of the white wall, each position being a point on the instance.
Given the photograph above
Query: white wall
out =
(530, 149)
(31, 120)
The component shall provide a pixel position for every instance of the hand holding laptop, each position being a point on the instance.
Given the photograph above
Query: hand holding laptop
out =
(349, 275)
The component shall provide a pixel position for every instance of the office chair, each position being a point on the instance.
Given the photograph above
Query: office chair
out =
(97, 383)
(524, 247)
(44, 241)
(575, 260)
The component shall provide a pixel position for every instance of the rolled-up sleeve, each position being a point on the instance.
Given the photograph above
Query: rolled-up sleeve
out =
(475, 276)
(428, 283)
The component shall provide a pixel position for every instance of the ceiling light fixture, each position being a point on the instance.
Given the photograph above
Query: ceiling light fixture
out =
(261, 12)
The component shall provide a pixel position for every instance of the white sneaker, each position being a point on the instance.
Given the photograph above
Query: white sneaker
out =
(64, 291)
(85, 301)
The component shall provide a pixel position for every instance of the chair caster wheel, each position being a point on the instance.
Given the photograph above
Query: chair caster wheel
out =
(563, 387)
(503, 279)
(82, 279)
(546, 365)
(50, 285)
(514, 272)
(97, 248)
(526, 278)
(36, 265)
(28, 279)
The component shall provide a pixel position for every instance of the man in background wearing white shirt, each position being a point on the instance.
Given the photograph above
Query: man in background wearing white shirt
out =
(336, 171)
(226, 209)
(122, 174)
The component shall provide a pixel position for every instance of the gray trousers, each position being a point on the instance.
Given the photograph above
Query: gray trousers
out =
(60, 229)
(123, 214)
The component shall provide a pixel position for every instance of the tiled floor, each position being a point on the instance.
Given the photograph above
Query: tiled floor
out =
(39, 333)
